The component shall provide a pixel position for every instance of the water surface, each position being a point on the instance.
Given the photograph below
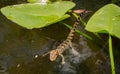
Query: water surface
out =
(19, 46)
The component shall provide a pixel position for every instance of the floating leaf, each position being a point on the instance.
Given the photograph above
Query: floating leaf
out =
(33, 1)
(106, 20)
(36, 15)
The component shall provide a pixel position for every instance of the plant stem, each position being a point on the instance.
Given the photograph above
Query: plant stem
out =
(84, 24)
(111, 55)
(83, 34)
(76, 16)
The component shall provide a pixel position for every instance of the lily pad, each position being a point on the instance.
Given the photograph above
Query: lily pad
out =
(36, 15)
(105, 20)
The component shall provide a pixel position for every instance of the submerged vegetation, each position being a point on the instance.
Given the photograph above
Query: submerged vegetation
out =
(105, 20)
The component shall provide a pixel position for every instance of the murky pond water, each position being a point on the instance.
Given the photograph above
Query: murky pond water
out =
(19, 47)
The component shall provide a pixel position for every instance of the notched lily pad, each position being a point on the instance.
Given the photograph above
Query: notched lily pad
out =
(106, 20)
(36, 15)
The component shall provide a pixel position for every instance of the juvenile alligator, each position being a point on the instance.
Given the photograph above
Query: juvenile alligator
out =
(64, 45)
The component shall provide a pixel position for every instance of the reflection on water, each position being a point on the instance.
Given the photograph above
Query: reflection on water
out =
(21, 49)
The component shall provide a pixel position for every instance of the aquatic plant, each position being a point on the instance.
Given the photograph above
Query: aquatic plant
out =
(106, 20)
(37, 15)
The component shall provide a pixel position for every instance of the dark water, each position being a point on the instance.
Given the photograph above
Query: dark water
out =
(20, 46)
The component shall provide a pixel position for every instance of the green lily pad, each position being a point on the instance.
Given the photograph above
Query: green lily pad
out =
(105, 20)
(36, 15)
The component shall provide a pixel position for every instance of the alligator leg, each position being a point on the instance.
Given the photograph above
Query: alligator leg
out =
(73, 50)
(63, 59)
